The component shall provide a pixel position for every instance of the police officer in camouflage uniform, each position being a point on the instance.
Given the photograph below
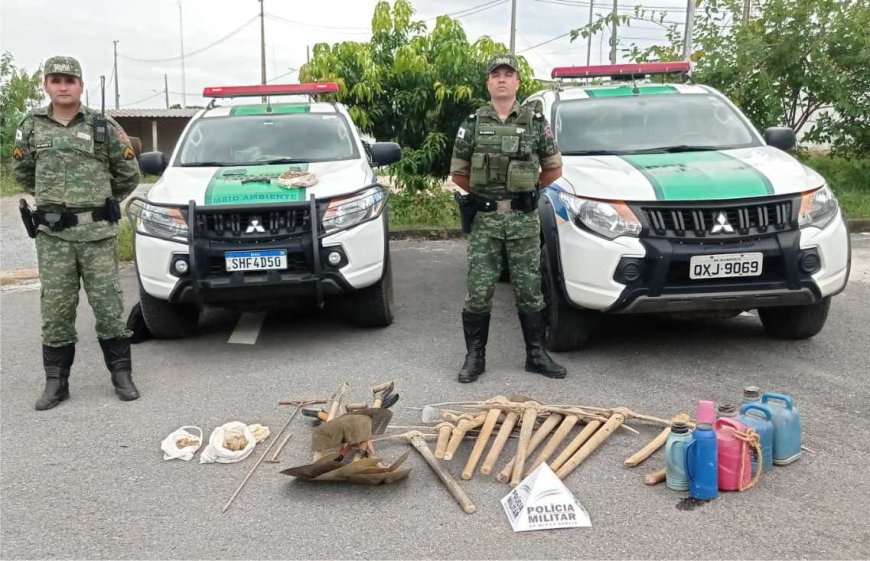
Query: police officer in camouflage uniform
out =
(503, 153)
(77, 164)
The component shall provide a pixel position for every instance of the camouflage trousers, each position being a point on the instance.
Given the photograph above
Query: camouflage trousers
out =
(515, 234)
(63, 267)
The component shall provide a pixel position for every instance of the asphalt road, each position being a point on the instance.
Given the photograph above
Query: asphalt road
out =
(87, 479)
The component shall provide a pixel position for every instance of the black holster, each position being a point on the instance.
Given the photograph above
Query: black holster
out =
(28, 217)
(467, 211)
(525, 202)
(112, 209)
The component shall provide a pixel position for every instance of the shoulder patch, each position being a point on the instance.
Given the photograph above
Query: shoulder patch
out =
(17, 153)
(128, 153)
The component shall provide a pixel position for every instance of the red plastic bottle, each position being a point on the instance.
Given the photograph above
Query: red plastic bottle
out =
(730, 450)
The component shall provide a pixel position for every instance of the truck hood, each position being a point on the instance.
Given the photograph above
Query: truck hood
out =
(257, 184)
(710, 175)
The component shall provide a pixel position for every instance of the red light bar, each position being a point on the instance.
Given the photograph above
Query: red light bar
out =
(620, 69)
(310, 88)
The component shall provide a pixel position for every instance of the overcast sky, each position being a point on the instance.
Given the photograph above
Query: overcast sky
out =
(149, 37)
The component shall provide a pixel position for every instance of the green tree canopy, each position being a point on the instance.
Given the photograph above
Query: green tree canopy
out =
(411, 85)
(792, 61)
(19, 93)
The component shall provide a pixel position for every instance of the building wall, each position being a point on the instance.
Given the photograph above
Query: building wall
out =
(168, 131)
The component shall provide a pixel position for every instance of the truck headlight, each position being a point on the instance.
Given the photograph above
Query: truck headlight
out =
(346, 212)
(609, 219)
(165, 222)
(818, 207)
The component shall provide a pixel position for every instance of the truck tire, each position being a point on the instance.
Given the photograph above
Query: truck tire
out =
(795, 322)
(165, 320)
(373, 306)
(568, 327)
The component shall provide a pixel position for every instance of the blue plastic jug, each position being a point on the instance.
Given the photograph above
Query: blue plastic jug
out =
(763, 425)
(786, 428)
(675, 457)
(702, 464)
(751, 394)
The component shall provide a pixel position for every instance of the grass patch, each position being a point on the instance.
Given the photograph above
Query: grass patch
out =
(145, 178)
(125, 240)
(427, 209)
(9, 186)
(847, 177)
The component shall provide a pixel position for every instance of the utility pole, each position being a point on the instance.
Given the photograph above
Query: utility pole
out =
(513, 26)
(613, 34)
(589, 39)
(262, 48)
(183, 77)
(690, 25)
(115, 71)
(166, 89)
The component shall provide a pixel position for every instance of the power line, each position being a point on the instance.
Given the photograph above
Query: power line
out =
(143, 99)
(198, 51)
(352, 30)
(556, 38)
(621, 8)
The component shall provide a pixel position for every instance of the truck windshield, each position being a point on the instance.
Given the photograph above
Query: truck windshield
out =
(268, 139)
(649, 123)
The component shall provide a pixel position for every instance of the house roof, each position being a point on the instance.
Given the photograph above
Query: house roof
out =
(152, 113)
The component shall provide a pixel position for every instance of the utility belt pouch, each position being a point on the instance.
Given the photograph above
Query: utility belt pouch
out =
(479, 170)
(27, 217)
(510, 145)
(498, 166)
(522, 176)
(112, 209)
(525, 202)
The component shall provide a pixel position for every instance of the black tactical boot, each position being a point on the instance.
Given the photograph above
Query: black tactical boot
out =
(537, 359)
(57, 362)
(476, 329)
(116, 352)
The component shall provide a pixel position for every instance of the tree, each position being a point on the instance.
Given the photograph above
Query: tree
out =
(796, 58)
(19, 93)
(411, 85)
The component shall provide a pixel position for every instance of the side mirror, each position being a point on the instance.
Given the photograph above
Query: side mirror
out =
(385, 153)
(152, 163)
(780, 137)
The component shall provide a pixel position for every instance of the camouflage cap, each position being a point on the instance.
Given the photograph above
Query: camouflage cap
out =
(62, 65)
(507, 59)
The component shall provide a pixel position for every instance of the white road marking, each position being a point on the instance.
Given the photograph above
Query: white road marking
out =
(247, 329)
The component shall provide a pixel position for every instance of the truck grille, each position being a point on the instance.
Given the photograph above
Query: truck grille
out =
(254, 225)
(720, 222)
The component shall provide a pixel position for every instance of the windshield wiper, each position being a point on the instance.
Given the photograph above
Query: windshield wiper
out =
(278, 161)
(678, 148)
(205, 164)
(591, 152)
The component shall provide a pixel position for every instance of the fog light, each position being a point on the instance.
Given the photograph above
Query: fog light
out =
(334, 258)
(631, 272)
(810, 262)
(181, 266)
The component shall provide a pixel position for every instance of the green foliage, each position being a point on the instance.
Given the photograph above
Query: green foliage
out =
(125, 240)
(432, 208)
(794, 59)
(848, 179)
(412, 85)
(8, 186)
(19, 93)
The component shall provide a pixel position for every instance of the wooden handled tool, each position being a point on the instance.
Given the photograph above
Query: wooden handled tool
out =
(452, 486)
(613, 423)
(465, 424)
(444, 431)
(575, 444)
(638, 457)
(482, 439)
(537, 439)
(561, 434)
(504, 432)
(654, 477)
(527, 427)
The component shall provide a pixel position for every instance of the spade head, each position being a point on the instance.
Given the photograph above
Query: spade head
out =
(347, 429)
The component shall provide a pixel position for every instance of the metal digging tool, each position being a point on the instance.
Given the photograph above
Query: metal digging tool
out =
(380, 392)
(299, 406)
(416, 438)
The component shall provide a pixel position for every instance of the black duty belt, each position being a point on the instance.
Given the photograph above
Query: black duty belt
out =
(57, 221)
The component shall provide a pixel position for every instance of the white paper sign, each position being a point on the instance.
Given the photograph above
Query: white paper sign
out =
(542, 502)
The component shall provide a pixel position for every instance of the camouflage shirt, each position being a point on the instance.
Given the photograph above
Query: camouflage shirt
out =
(65, 168)
(540, 137)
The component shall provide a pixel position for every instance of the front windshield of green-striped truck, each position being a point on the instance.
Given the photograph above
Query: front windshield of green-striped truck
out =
(259, 139)
(624, 124)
